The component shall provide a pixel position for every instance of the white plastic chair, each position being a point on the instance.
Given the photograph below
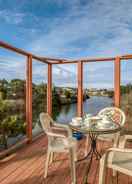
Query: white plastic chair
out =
(118, 159)
(58, 142)
(116, 115)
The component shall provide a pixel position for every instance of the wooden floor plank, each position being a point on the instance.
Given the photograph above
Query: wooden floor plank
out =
(26, 166)
(21, 159)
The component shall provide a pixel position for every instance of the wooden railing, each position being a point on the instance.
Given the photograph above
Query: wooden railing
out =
(53, 61)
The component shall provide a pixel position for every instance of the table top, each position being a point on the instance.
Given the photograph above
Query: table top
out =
(96, 127)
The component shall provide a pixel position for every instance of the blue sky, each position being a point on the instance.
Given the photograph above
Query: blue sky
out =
(67, 29)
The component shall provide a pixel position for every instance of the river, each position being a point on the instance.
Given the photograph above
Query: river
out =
(91, 105)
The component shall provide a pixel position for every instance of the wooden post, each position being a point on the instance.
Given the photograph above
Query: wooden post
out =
(117, 82)
(49, 90)
(80, 89)
(29, 97)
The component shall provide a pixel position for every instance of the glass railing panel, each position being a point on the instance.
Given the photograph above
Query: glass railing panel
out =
(98, 85)
(12, 99)
(64, 102)
(126, 92)
(39, 94)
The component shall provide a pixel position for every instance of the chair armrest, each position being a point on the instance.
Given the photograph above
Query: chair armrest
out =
(128, 137)
(119, 150)
(57, 128)
(123, 140)
(108, 156)
(51, 134)
(63, 127)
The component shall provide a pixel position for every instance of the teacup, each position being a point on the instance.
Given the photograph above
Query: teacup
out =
(87, 122)
(77, 120)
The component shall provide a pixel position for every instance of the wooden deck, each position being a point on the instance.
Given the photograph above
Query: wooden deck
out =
(26, 166)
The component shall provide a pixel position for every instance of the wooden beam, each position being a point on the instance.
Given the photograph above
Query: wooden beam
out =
(49, 90)
(80, 89)
(29, 98)
(52, 60)
(22, 52)
(126, 57)
(66, 62)
(117, 82)
(93, 59)
(85, 60)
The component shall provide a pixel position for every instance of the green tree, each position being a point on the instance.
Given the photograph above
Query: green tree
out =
(39, 100)
(16, 89)
(67, 94)
(55, 103)
(3, 89)
(9, 124)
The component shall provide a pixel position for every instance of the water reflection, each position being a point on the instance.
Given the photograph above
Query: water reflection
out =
(92, 106)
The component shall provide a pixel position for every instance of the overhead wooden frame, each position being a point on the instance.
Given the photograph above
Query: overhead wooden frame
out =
(60, 60)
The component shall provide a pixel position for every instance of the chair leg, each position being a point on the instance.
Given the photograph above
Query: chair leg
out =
(47, 163)
(51, 157)
(86, 145)
(75, 153)
(115, 145)
(102, 171)
(114, 172)
(122, 142)
(117, 177)
(73, 169)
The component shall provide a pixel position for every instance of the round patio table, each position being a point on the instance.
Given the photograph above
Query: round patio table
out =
(94, 129)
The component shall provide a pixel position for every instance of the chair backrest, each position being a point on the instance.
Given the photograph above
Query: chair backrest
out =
(115, 114)
(46, 121)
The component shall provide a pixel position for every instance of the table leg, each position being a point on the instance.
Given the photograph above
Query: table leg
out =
(93, 139)
(88, 169)
(93, 148)
(92, 152)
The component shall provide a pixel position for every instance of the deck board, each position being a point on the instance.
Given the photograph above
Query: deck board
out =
(20, 160)
(26, 166)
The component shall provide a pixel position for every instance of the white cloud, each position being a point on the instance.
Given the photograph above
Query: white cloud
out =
(12, 67)
(11, 17)
(103, 26)
(99, 28)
